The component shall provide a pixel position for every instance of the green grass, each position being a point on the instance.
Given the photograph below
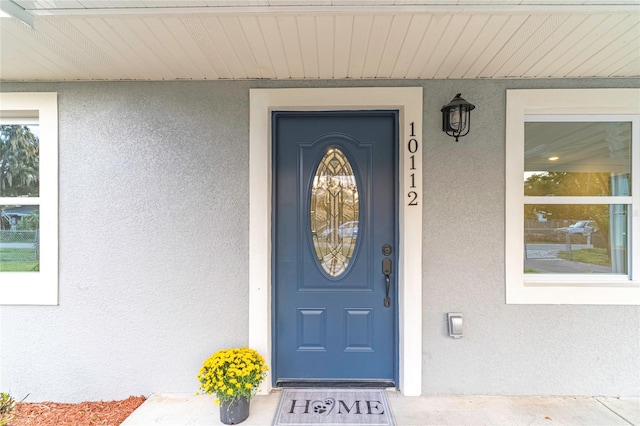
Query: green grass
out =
(16, 254)
(21, 260)
(594, 256)
(18, 266)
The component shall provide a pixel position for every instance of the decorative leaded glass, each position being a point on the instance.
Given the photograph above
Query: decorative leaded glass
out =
(334, 212)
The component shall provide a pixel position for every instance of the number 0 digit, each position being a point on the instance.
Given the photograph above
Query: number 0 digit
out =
(412, 146)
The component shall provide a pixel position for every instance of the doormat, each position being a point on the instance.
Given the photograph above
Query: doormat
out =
(329, 406)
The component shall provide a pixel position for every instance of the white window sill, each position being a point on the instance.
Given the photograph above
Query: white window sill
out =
(593, 290)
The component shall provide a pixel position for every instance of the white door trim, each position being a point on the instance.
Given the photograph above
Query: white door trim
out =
(408, 101)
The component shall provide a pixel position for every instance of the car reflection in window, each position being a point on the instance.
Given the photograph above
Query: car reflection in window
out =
(347, 229)
(583, 227)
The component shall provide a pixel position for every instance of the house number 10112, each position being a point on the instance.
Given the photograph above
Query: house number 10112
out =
(412, 147)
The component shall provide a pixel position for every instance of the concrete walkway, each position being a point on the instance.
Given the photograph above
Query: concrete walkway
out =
(185, 409)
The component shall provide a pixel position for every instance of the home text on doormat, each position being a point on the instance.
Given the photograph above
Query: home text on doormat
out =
(327, 406)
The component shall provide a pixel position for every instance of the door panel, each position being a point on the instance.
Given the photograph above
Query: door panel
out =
(330, 322)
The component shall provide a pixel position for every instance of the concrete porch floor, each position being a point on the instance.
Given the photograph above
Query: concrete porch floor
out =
(185, 409)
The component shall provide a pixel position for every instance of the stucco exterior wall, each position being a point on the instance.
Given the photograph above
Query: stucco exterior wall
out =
(154, 196)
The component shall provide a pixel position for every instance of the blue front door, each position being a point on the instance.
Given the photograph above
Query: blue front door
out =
(335, 253)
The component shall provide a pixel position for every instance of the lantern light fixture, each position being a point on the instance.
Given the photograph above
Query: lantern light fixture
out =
(456, 117)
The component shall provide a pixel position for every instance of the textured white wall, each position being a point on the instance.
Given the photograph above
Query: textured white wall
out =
(153, 244)
(506, 349)
(154, 249)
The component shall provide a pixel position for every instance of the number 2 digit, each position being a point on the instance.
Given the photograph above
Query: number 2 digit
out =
(413, 198)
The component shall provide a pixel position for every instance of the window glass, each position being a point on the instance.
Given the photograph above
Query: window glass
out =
(577, 158)
(19, 160)
(19, 238)
(334, 212)
(575, 239)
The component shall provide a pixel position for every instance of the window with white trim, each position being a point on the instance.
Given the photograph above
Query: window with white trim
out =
(28, 199)
(572, 183)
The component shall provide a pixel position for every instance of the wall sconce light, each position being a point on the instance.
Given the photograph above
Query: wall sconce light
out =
(456, 117)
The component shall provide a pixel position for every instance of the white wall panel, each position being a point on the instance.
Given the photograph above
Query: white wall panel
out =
(308, 41)
(519, 46)
(434, 41)
(216, 46)
(268, 39)
(395, 40)
(462, 55)
(378, 38)
(409, 48)
(563, 50)
(327, 42)
(360, 44)
(342, 45)
(273, 45)
(448, 47)
(497, 32)
(288, 27)
(15, 47)
(139, 55)
(255, 43)
(615, 52)
(173, 55)
(240, 45)
(107, 42)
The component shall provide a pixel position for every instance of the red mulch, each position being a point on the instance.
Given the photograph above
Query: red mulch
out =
(103, 413)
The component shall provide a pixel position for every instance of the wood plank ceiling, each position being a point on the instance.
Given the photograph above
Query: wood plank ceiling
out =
(315, 39)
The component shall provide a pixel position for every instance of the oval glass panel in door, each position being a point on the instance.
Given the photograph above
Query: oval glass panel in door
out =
(334, 212)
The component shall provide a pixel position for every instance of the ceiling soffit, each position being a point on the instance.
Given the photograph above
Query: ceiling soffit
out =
(202, 40)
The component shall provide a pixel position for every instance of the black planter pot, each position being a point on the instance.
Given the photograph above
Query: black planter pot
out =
(234, 411)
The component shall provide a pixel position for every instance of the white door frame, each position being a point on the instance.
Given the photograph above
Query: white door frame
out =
(408, 101)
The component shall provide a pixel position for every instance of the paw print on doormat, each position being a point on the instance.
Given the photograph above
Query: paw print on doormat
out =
(324, 406)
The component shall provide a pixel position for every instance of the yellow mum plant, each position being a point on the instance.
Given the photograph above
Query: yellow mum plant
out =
(232, 374)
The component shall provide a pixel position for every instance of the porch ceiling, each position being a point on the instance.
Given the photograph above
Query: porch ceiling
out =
(318, 39)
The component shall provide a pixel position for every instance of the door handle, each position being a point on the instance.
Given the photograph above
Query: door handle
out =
(386, 271)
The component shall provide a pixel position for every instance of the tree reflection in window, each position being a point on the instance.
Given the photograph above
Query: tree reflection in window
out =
(334, 212)
(19, 161)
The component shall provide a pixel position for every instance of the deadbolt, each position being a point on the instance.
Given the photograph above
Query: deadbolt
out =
(386, 249)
